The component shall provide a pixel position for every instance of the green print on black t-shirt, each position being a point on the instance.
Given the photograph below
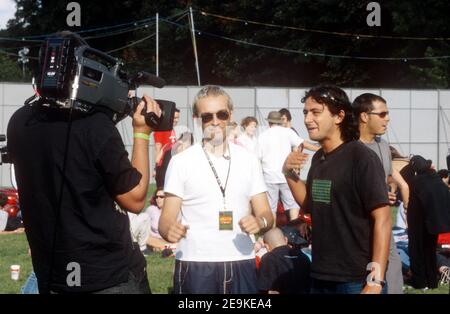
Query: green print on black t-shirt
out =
(321, 191)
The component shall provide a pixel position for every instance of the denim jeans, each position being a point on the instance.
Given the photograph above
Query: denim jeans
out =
(332, 287)
(31, 285)
(237, 277)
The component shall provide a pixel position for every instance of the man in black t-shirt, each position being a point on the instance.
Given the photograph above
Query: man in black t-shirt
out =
(283, 270)
(70, 175)
(347, 196)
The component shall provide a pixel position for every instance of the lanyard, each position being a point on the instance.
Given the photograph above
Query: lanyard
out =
(222, 189)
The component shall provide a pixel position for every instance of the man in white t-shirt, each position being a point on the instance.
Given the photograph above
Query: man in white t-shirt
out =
(274, 145)
(215, 201)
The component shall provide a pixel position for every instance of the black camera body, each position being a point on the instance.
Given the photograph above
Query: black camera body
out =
(165, 121)
(74, 75)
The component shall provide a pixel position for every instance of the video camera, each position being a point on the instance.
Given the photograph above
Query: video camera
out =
(74, 75)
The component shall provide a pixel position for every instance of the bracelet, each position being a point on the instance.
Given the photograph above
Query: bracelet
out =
(264, 221)
(142, 135)
(291, 174)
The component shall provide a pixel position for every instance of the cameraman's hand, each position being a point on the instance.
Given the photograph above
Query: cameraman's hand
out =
(139, 124)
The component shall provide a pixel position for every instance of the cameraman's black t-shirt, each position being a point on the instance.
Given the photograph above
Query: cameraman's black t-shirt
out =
(91, 232)
(343, 187)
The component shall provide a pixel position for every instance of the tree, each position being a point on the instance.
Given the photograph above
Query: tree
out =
(227, 57)
(9, 69)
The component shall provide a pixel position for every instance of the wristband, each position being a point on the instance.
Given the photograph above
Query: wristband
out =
(264, 222)
(142, 135)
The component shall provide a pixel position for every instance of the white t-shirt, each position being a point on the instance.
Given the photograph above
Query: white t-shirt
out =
(250, 143)
(154, 213)
(274, 145)
(189, 176)
(140, 228)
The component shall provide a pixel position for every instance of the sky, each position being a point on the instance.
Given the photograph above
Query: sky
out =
(7, 10)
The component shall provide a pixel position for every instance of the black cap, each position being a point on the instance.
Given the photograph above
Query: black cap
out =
(420, 164)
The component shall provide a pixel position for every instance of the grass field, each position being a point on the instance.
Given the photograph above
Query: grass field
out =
(14, 250)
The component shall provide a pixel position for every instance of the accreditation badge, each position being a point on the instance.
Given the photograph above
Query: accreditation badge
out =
(226, 220)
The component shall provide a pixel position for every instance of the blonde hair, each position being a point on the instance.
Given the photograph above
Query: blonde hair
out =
(211, 90)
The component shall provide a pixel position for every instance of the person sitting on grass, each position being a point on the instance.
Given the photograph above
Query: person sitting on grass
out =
(283, 269)
(155, 240)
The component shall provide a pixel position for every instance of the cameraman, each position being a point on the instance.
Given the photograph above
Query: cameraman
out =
(71, 169)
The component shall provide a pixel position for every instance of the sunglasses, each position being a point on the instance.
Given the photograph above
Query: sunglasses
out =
(380, 114)
(221, 115)
(160, 196)
(327, 95)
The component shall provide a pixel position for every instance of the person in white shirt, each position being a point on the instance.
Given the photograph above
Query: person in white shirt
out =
(154, 240)
(215, 201)
(248, 137)
(274, 145)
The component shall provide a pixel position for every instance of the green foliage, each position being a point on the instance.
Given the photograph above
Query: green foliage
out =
(14, 250)
(9, 69)
(231, 63)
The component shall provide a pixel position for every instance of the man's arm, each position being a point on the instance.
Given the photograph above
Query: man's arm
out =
(134, 200)
(169, 227)
(381, 241)
(261, 218)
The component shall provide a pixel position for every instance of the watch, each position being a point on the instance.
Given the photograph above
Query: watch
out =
(382, 283)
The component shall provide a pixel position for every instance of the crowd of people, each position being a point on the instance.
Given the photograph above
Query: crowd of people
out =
(216, 201)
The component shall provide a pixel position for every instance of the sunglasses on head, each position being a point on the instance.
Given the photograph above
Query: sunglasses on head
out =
(221, 115)
(380, 114)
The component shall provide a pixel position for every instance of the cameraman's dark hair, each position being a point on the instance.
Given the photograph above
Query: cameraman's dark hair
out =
(285, 112)
(364, 103)
(336, 100)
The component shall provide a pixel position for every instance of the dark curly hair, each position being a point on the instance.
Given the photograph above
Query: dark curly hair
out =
(336, 100)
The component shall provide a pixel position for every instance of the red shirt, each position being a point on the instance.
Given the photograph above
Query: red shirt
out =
(444, 238)
(165, 137)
